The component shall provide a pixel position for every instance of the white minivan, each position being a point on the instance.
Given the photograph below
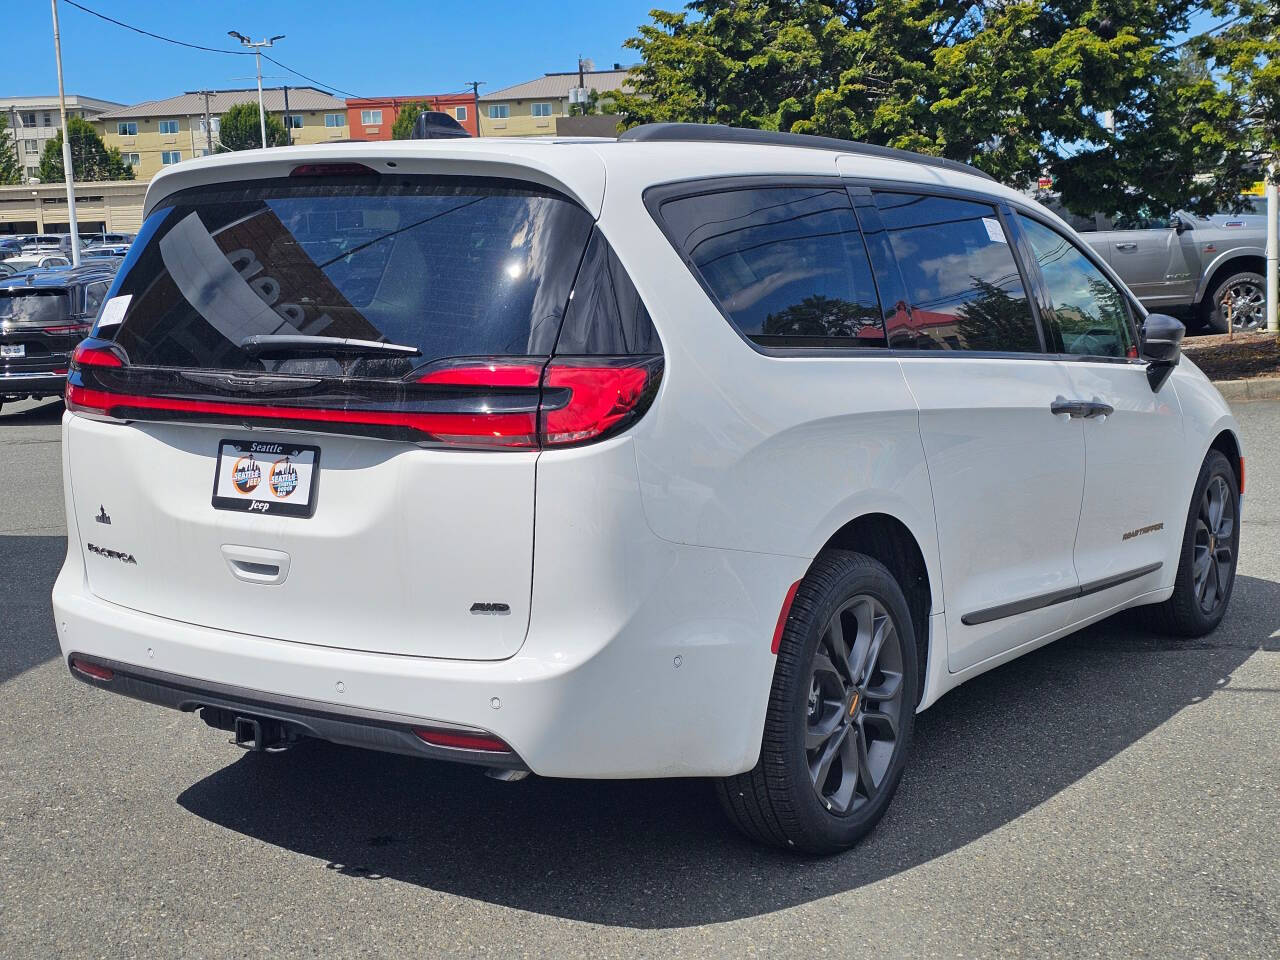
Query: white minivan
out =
(705, 452)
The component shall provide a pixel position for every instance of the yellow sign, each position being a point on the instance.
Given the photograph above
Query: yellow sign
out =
(1259, 189)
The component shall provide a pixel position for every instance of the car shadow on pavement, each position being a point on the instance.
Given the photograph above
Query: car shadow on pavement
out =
(28, 567)
(655, 854)
(45, 413)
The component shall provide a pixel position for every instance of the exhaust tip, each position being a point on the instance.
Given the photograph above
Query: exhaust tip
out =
(505, 775)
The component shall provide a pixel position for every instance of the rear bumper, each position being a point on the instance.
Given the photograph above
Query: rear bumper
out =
(352, 726)
(32, 383)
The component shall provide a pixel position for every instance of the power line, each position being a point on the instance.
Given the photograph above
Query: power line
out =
(197, 46)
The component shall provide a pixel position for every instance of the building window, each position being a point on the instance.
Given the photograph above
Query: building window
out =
(293, 121)
(168, 126)
(48, 119)
(370, 117)
(335, 119)
(170, 156)
(33, 173)
(542, 109)
(460, 113)
(499, 111)
(28, 119)
(132, 159)
(31, 146)
(127, 128)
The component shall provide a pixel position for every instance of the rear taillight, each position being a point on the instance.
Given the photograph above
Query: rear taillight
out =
(488, 404)
(96, 355)
(462, 740)
(604, 397)
(332, 170)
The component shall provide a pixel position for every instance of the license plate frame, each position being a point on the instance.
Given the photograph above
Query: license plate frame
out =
(285, 483)
(12, 351)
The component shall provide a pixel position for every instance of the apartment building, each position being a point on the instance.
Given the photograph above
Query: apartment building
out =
(531, 109)
(34, 121)
(158, 133)
(371, 118)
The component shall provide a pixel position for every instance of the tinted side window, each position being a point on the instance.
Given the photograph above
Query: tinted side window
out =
(962, 281)
(93, 294)
(1090, 311)
(606, 315)
(787, 264)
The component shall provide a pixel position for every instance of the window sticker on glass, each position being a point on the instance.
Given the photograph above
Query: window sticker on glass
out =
(113, 311)
(994, 231)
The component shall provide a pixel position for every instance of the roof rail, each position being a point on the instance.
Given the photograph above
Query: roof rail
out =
(719, 133)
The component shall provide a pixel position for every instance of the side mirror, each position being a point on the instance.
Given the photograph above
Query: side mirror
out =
(1181, 224)
(1161, 347)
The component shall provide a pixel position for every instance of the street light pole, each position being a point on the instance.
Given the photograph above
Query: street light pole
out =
(257, 56)
(1273, 245)
(72, 225)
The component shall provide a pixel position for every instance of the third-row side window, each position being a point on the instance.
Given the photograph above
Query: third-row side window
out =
(787, 264)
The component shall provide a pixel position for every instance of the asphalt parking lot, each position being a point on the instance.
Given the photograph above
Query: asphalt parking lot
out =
(1116, 794)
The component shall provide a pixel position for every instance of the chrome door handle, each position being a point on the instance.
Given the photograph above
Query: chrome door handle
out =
(1075, 409)
(1126, 246)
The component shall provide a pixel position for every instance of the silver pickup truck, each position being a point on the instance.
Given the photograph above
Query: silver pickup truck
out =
(1204, 268)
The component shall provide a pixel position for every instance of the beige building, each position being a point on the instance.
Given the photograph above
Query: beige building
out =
(159, 133)
(114, 207)
(33, 121)
(531, 109)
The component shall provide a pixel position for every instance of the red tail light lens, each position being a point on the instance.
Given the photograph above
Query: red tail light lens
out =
(332, 170)
(91, 669)
(494, 374)
(462, 740)
(96, 356)
(603, 397)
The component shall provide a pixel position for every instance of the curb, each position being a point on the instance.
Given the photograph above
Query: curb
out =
(1259, 388)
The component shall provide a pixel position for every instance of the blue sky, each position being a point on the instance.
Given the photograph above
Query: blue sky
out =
(370, 48)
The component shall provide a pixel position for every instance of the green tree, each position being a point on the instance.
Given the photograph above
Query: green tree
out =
(91, 159)
(1016, 87)
(597, 103)
(405, 117)
(10, 167)
(238, 128)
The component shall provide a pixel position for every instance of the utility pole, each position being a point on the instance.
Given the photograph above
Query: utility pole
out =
(288, 128)
(72, 225)
(1273, 245)
(475, 101)
(257, 55)
(208, 124)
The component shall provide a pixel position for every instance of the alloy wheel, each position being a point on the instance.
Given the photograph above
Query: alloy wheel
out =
(1213, 556)
(855, 704)
(1247, 301)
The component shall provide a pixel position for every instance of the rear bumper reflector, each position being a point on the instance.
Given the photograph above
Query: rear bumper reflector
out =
(783, 614)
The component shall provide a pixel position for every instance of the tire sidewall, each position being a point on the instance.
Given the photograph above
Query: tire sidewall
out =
(1214, 465)
(1215, 316)
(826, 830)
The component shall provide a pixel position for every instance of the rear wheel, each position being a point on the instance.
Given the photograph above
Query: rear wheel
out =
(1243, 296)
(1210, 545)
(840, 714)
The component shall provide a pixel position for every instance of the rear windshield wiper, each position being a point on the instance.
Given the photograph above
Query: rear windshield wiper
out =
(296, 343)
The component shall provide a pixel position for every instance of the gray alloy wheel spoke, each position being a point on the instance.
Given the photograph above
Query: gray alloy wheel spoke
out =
(865, 614)
(883, 630)
(837, 644)
(820, 763)
(868, 782)
(822, 664)
(887, 689)
(1200, 565)
(883, 725)
(817, 734)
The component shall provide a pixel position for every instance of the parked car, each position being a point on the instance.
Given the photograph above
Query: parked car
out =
(6, 270)
(37, 261)
(10, 247)
(811, 433)
(1195, 266)
(42, 318)
(48, 243)
(105, 249)
(110, 239)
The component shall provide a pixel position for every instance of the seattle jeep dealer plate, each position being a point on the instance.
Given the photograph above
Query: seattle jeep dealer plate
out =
(261, 477)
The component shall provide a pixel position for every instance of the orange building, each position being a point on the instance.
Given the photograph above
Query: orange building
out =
(370, 118)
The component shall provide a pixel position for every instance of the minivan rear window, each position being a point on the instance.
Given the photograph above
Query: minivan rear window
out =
(449, 266)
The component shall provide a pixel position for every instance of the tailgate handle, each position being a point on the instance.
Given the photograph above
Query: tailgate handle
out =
(256, 564)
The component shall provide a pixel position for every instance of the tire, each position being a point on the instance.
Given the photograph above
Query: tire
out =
(1250, 288)
(1185, 614)
(781, 801)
